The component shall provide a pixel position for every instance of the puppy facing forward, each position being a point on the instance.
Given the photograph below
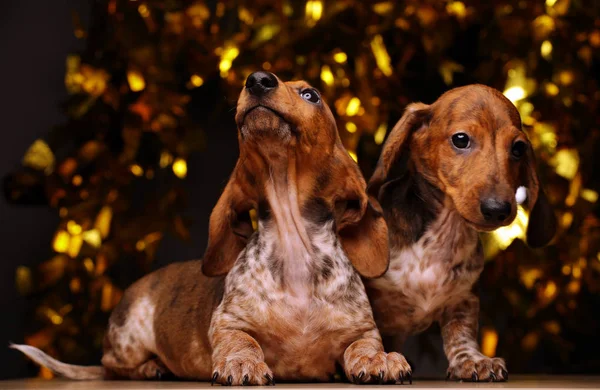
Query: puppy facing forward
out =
(292, 304)
(448, 171)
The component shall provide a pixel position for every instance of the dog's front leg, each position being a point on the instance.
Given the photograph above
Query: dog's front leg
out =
(365, 361)
(459, 325)
(238, 359)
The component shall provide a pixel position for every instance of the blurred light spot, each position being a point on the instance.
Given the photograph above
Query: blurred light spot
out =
(340, 57)
(589, 195)
(75, 246)
(229, 54)
(353, 106)
(530, 341)
(61, 241)
(457, 8)
(505, 235)
(196, 80)
(136, 81)
(103, 221)
(166, 158)
(551, 89)
(314, 11)
(514, 94)
(88, 264)
(180, 168)
(552, 327)
(380, 134)
(382, 58)
(550, 290)
(353, 155)
(530, 276)
(326, 75)
(546, 50)
(489, 342)
(143, 10)
(566, 220)
(92, 237)
(566, 163)
(140, 245)
(566, 77)
(574, 287)
(136, 170)
(73, 227)
(351, 127)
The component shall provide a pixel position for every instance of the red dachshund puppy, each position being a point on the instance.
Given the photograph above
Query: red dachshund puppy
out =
(292, 304)
(448, 171)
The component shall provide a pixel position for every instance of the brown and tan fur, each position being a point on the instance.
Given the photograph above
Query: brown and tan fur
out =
(431, 193)
(286, 301)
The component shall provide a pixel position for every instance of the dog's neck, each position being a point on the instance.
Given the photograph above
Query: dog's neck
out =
(293, 239)
(413, 206)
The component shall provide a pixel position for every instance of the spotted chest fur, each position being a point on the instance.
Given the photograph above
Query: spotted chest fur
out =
(427, 276)
(302, 323)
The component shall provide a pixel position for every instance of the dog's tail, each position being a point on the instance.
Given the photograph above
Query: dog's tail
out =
(63, 369)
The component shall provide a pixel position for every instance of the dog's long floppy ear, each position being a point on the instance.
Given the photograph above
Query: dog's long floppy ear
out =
(360, 224)
(415, 116)
(229, 227)
(542, 220)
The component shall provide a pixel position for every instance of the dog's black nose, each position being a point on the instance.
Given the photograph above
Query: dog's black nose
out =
(494, 210)
(260, 83)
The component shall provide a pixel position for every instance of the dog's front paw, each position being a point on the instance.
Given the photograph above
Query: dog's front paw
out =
(478, 368)
(242, 372)
(378, 368)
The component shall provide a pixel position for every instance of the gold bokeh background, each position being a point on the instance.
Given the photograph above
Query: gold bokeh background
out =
(131, 123)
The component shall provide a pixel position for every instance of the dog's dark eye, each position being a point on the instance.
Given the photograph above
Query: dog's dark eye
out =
(518, 149)
(461, 140)
(310, 95)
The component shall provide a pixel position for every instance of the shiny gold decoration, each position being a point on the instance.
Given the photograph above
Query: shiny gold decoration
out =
(39, 156)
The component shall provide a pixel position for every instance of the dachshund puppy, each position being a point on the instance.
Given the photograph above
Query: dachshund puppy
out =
(292, 305)
(446, 172)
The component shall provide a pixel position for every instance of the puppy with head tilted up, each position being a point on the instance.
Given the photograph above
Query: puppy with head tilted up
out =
(448, 171)
(292, 305)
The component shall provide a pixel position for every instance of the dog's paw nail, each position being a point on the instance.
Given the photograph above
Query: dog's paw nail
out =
(354, 379)
(475, 377)
(269, 379)
(360, 375)
(214, 378)
(229, 380)
(245, 380)
(401, 379)
(380, 377)
(409, 377)
(448, 374)
(504, 374)
(493, 377)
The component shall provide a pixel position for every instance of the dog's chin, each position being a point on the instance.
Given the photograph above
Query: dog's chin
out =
(482, 226)
(262, 122)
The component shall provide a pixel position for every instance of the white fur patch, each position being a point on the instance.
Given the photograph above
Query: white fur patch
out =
(139, 325)
(521, 195)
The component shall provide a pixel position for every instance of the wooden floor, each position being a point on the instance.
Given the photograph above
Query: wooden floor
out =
(518, 382)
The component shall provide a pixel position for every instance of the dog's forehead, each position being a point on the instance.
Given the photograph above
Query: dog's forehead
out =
(298, 84)
(480, 103)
